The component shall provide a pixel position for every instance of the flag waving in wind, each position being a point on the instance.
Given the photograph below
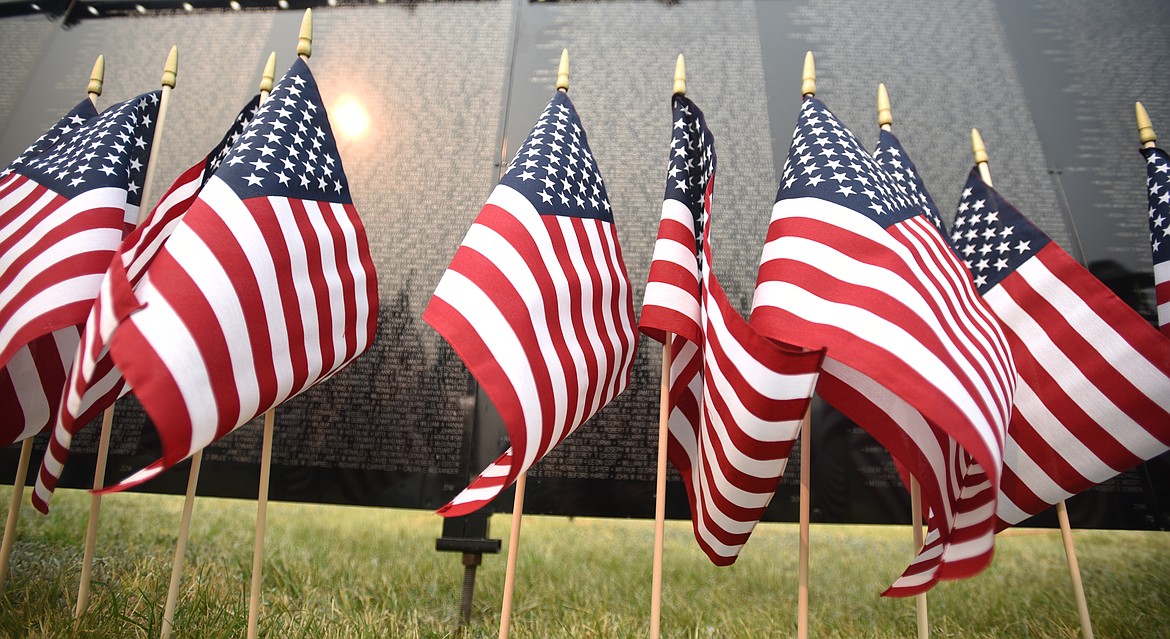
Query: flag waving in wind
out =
(914, 355)
(1093, 393)
(537, 302)
(264, 288)
(1158, 189)
(736, 399)
(65, 205)
(95, 382)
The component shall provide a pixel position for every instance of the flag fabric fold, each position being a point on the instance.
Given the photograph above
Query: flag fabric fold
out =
(264, 288)
(1093, 391)
(1158, 190)
(914, 355)
(737, 399)
(536, 300)
(65, 205)
(94, 381)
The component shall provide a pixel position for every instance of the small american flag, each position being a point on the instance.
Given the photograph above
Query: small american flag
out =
(1158, 188)
(1093, 393)
(95, 382)
(753, 393)
(263, 289)
(65, 205)
(537, 302)
(914, 355)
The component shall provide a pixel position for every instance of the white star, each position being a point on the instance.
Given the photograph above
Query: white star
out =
(253, 180)
(1023, 246)
(1000, 264)
(527, 175)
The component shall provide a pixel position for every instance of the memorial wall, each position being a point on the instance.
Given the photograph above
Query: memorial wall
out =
(452, 88)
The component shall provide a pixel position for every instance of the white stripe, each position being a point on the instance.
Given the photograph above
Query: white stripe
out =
(316, 218)
(164, 330)
(671, 297)
(26, 381)
(357, 272)
(623, 299)
(1125, 361)
(10, 200)
(478, 309)
(78, 289)
(1032, 475)
(87, 201)
(585, 312)
(87, 241)
(302, 286)
(504, 256)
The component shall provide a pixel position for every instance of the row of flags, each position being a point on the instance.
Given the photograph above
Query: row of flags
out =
(250, 281)
(998, 372)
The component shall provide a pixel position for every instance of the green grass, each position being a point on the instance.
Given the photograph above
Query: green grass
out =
(336, 572)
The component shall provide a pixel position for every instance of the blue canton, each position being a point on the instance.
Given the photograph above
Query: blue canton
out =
(827, 162)
(692, 163)
(554, 169)
(893, 158)
(72, 120)
(110, 150)
(221, 150)
(288, 149)
(1158, 183)
(991, 236)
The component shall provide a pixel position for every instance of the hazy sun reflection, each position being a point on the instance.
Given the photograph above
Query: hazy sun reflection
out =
(351, 117)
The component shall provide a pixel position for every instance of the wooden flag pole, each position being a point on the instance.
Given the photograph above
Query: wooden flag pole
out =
(269, 422)
(181, 547)
(96, 78)
(170, 74)
(14, 508)
(808, 89)
(680, 88)
(518, 502)
(660, 489)
(1070, 552)
(886, 123)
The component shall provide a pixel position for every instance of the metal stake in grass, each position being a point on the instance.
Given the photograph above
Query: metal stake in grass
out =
(886, 123)
(1070, 551)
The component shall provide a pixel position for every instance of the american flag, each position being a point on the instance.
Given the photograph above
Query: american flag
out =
(753, 392)
(263, 289)
(65, 205)
(95, 382)
(893, 158)
(1093, 393)
(914, 355)
(537, 302)
(1158, 187)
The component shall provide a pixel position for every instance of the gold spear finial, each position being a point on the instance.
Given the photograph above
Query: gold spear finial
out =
(1145, 127)
(97, 76)
(305, 41)
(885, 114)
(269, 73)
(809, 85)
(978, 148)
(980, 152)
(563, 72)
(680, 76)
(171, 70)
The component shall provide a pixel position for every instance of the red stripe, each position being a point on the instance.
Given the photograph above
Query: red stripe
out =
(318, 283)
(269, 225)
(10, 232)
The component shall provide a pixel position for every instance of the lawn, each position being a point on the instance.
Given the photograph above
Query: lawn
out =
(338, 572)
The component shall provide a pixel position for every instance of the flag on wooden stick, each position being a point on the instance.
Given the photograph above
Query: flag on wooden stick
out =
(95, 382)
(1158, 190)
(751, 392)
(537, 302)
(1093, 393)
(914, 355)
(65, 205)
(263, 289)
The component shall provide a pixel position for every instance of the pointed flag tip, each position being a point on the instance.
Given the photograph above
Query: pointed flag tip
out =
(305, 39)
(885, 113)
(680, 76)
(269, 75)
(1145, 127)
(563, 71)
(171, 70)
(97, 77)
(808, 86)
